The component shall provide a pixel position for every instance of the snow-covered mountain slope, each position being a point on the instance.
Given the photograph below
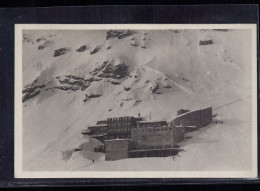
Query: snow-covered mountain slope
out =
(73, 78)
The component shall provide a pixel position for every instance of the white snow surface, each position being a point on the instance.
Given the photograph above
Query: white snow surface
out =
(189, 76)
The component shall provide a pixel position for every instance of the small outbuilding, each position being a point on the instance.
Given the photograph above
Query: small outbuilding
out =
(117, 149)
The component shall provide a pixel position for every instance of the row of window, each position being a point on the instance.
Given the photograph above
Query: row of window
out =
(121, 137)
(118, 119)
(98, 128)
(118, 130)
(155, 140)
(150, 130)
(118, 124)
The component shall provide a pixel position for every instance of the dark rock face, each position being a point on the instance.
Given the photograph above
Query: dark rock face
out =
(118, 34)
(67, 88)
(115, 83)
(114, 71)
(99, 68)
(108, 69)
(60, 52)
(205, 42)
(30, 95)
(94, 51)
(82, 48)
(91, 96)
(154, 89)
(25, 39)
(167, 86)
(41, 47)
(39, 39)
(127, 88)
(32, 90)
(74, 83)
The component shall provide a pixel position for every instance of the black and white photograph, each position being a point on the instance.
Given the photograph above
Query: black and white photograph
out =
(131, 101)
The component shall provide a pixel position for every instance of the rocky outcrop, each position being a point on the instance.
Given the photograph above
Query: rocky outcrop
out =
(143, 46)
(67, 88)
(60, 52)
(154, 88)
(32, 90)
(132, 42)
(118, 34)
(114, 70)
(82, 48)
(74, 83)
(44, 44)
(167, 86)
(99, 68)
(94, 51)
(91, 96)
(205, 42)
(115, 83)
(127, 88)
(30, 95)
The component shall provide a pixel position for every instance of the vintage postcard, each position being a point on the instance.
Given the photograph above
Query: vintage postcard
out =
(135, 101)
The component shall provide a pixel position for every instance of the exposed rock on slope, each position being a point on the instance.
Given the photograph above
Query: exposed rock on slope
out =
(82, 48)
(32, 90)
(94, 50)
(113, 68)
(60, 52)
(118, 34)
(206, 42)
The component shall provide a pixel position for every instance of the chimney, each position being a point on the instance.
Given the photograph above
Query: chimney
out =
(139, 115)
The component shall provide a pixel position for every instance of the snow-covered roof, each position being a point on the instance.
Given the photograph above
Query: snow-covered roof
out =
(98, 135)
(150, 121)
(117, 139)
(191, 126)
(191, 112)
(101, 125)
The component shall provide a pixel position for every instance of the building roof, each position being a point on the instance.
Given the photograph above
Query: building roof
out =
(190, 112)
(165, 126)
(98, 135)
(117, 139)
(191, 126)
(150, 121)
(101, 125)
